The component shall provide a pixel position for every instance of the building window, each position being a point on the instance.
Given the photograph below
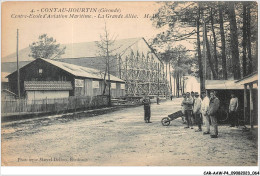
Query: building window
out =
(40, 71)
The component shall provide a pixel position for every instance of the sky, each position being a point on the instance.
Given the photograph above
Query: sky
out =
(73, 30)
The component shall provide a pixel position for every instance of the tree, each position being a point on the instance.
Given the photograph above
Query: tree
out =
(234, 39)
(214, 42)
(225, 21)
(46, 47)
(248, 23)
(105, 46)
(223, 44)
(211, 64)
(202, 81)
(244, 40)
(166, 58)
(181, 63)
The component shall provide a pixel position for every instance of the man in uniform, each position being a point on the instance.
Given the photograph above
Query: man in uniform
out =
(233, 106)
(183, 109)
(197, 112)
(147, 109)
(187, 104)
(193, 98)
(213, 108)
(204, 111)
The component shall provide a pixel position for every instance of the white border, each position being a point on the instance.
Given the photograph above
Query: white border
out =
(11, 170)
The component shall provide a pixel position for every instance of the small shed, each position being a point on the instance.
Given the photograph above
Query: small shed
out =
(251, 108)
(45, 78)
(223, 89)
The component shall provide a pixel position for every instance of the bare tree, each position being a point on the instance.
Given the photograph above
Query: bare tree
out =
(105, 46)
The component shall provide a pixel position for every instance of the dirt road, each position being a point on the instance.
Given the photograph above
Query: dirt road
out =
(122, 138)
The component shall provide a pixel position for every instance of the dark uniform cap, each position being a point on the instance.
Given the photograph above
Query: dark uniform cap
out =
(203, 91)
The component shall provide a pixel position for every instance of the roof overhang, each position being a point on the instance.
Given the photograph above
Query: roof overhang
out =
(223, 85)
(252, 78)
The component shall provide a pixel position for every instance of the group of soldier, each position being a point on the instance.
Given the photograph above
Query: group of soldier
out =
(197, 110)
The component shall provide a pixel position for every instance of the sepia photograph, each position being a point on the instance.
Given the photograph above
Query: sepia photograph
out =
(130, 83)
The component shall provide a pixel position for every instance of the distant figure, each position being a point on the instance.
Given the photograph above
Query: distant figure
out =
(233, 106)
(171, 97)
(187, 104)
(213, 108)
(204, 111)
(147, 109)
(157, 100)
(197, 112)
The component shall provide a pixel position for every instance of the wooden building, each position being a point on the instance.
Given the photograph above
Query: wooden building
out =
(132, 60)
(223, 89)
(250, 105)
(45, 78)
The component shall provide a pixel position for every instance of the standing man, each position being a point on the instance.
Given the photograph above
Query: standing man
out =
(213, 108)
(147, 109)
(187, 104)
(197, 112)
(157, 100)
(193, 98)
(204, 111)
(182, 108)
(233, 106)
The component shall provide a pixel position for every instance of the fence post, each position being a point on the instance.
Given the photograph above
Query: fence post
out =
(46, 104)
(18, 106)
(75, 102)
(33, 109)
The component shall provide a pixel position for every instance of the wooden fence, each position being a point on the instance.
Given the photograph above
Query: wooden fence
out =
(53, 105)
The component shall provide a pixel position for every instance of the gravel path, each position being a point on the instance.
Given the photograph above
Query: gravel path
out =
(121, 138)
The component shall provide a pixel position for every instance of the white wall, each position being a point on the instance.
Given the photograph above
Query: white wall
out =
(191, 84)
(38, 95)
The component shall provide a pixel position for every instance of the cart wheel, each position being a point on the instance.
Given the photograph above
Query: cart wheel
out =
(166, 121)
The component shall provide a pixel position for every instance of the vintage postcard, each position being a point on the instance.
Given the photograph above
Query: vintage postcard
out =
(129, 83)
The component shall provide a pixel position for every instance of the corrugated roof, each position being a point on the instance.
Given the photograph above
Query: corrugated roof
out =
(222, 85)
(77, 50)
(81, 71)
(47, 85)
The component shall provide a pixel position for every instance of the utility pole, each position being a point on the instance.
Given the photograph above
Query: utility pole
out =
(18, 72)
(158, 79)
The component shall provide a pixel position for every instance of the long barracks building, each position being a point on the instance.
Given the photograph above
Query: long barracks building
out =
(132, 60)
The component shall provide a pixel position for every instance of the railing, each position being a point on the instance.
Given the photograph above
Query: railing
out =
(53, 105)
